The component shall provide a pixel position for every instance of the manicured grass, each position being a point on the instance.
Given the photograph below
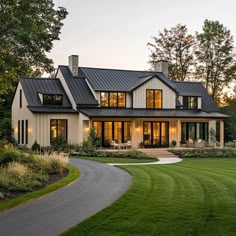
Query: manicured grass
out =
(119, 160)
(72, 175)
(193, 197)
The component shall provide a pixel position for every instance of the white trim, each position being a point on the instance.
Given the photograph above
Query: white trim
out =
(91, 89)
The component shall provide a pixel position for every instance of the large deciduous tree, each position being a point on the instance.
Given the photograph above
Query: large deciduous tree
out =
(27, 32)
(176, 47)
(215, 58)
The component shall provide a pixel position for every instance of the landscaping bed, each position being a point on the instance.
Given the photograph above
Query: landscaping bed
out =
(22, 173)
(205, 152)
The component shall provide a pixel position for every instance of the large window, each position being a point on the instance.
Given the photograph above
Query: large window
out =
(119, 131)
(58, 129)
(190, 102)
(194, 131)
(112, 99)
(155, 134)
(153, 98)
(49, 99)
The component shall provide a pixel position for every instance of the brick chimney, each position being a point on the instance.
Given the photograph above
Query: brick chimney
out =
(161, 66)
(74, 64)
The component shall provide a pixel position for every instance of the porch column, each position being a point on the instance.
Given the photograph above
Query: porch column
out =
(178, 133)
(221, 133)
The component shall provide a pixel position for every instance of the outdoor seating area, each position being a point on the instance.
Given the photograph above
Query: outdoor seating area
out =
(116, 145)
(190, 143)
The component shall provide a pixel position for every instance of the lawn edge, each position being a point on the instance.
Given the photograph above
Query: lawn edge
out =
(73, 174)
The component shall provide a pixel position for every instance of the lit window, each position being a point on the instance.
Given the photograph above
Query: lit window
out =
(104, 99)
(113, 99)
(121, 99)
(153, 98)
(58, 130)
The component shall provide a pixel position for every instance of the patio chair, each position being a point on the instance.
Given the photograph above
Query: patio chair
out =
(129, 144)
(114, 144)
(200, 143)
(190, 143)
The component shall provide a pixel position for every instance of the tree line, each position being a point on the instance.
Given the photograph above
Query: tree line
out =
(207, 56)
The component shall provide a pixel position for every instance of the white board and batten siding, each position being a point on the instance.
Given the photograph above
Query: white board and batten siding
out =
(168, 95)
(22, 114)
(42, 132)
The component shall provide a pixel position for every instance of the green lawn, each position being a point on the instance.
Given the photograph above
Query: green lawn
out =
(194, 197)
(119, 160)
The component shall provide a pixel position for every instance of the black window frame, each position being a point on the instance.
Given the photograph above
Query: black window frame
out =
(22, 132)
(187, 102)
(26, 132)
(18, 130)
(53, 99)
(66, 138)
(154, 99)
(109, 99)
(20, 98)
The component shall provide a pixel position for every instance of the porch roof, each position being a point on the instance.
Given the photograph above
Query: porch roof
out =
(148, 113)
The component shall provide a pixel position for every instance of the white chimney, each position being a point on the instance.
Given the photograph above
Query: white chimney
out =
(74, 64)
(161, 66)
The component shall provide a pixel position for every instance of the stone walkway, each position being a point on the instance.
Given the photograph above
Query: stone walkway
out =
(162, 161)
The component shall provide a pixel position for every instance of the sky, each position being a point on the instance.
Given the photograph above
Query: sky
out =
(115, 33)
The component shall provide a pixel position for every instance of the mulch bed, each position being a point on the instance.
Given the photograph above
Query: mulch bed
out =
(52, 179)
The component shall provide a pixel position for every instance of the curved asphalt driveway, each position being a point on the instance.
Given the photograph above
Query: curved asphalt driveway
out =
(98, 186)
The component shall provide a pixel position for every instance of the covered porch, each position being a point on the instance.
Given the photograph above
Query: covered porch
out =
(153, 128)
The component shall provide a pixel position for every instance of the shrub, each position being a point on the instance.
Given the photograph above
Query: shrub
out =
(60, 144)
(35, 146)
(204, 153)
(134, 154)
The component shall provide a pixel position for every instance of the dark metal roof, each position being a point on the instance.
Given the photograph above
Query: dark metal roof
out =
(44, 109)
(196, 89)
(33, 86)
(146, 113)
(79, 89)
(119, 80)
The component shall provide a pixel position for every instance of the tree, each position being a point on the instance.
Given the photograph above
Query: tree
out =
(215, 58)
(176, 47)
(229, 109)
(27, 32)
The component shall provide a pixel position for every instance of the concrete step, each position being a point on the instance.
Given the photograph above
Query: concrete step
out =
(162, 153)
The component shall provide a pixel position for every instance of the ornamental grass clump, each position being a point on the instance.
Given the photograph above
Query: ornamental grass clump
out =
(17, 170)
(57, 164)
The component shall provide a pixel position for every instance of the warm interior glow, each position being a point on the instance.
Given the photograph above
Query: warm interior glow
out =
(137, 129)
(29, 130)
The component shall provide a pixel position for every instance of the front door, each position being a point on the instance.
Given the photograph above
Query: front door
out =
(155, 134)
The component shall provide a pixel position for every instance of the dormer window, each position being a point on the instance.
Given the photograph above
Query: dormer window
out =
(113, 99)
(190, 102)
(52, 99)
